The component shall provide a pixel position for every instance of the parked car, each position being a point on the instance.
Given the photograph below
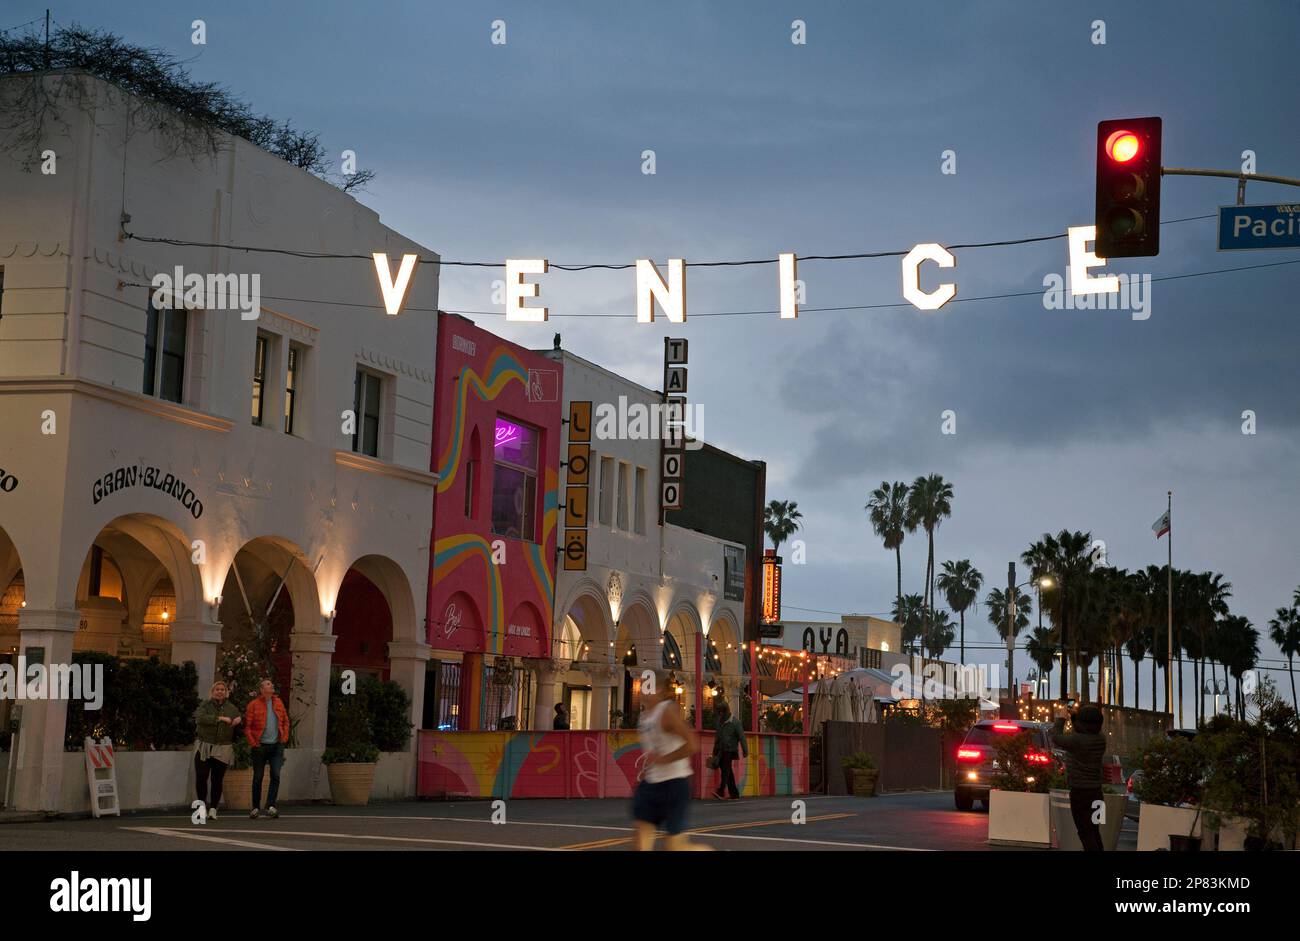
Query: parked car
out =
(976, 761)
(1133, 806)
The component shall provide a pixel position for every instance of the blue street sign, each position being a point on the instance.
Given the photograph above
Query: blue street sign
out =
(1243, 228)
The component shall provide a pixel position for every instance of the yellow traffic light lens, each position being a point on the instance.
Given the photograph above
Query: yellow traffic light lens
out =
(1123, 146)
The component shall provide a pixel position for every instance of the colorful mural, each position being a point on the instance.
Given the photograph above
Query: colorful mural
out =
(492, 593)
(597, 763)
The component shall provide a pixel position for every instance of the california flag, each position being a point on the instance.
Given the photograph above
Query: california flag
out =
(1161, 526)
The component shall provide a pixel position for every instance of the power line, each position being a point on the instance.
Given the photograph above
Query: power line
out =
(737, 313)
(620, 266)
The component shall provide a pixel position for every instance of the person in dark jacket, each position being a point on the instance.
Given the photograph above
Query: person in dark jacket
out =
(214, 723)
(561, 721)
(728, 745)
(1084, 750)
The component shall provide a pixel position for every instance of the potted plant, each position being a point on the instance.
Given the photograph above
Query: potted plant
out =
(1252, 782)
(350, 751)
(237, 788)
(1019, 802)
(860, 774)
(1169, 787)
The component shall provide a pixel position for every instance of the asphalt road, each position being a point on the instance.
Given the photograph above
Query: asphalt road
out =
(909, 822)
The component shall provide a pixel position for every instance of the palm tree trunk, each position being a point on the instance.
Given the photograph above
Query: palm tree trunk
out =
(962, 616)
(898, 560)
(1290, 668)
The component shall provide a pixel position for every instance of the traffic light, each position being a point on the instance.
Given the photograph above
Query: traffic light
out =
(1128, 188)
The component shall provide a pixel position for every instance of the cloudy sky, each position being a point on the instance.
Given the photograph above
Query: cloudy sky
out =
(1079, 419)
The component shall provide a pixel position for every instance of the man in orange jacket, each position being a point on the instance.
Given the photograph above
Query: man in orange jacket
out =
(266, 726)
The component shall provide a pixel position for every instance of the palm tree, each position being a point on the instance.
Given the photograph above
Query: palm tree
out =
(940, 635)
(1136, 647)
(1284, 630)
(1067, 556)
(996, 603)
(1041, 648)
(908, 615)
(887, 506)
(1240, 651)
(781, 518)
(960, 583)
(929, 502)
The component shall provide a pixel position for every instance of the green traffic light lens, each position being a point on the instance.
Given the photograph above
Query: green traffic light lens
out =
(1123, 223)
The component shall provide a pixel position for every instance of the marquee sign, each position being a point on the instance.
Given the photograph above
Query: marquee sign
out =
(577, 487)
(672, 450)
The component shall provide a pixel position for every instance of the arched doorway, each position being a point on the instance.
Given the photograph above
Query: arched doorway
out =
(268, 595)
(13, 597)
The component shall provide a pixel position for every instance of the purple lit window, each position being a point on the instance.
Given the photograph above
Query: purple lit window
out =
(514, 480)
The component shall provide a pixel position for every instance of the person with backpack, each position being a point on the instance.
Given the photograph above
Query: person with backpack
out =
(728, 745)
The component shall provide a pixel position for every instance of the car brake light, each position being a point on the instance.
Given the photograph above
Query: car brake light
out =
(969, 754)
(1038, 758)
(1006, 727)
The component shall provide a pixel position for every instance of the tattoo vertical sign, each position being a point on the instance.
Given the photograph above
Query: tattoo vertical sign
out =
(577, 490)
(672, 452)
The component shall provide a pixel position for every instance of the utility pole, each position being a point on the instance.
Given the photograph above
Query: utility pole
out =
(1010, 709)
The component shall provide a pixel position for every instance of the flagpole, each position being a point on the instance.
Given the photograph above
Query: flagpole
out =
(1169, 598)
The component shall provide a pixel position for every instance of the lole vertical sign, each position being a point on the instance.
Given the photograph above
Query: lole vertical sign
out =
(577, 471)
(673, 452)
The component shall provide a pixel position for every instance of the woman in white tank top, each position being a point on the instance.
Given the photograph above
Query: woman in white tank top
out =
(664, 791)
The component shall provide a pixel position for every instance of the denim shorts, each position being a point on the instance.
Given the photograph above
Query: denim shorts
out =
(663, 804)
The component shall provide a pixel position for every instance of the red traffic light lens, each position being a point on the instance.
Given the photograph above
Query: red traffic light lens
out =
(1123, 146)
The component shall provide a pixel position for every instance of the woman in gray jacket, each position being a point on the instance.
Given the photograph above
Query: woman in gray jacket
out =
(215, 721)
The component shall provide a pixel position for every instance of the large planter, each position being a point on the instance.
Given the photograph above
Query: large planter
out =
(1065, 835)
(861, 782)
(350, 782)
(1018, 818)
(1156, 822)
(237, 789)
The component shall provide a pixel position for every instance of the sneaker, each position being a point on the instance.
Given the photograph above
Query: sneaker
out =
(272, 812)
(212, 814)
(253, 814)
(717, 796)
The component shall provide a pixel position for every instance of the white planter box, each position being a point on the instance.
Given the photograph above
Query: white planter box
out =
(1156, 822)
(1019, 819)
(1065, 836)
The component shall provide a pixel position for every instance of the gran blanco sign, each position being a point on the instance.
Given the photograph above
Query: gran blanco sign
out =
(141, 476)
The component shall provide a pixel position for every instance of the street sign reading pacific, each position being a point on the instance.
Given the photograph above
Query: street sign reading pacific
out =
(1249, 228)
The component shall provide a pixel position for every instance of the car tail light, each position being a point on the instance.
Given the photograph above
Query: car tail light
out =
(1130, 785)
(1006, 727)
(1038, 758)
(969, 754)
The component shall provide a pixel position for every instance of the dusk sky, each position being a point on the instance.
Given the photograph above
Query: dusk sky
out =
(1065, 418)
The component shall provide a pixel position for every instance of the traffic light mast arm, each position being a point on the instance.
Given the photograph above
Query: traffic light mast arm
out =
(1231, 175)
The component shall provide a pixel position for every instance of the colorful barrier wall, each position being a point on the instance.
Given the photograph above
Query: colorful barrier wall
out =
(604, 763)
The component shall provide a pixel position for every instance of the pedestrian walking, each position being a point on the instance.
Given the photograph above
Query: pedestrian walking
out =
(214, 724)
(266, 726)
(663, 794)
(1084, 749)
(728, 745)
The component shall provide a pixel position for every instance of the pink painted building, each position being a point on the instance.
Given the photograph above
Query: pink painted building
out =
(491, 587)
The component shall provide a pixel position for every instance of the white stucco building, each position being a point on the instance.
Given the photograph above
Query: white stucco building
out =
(152, 510)
(651, 593)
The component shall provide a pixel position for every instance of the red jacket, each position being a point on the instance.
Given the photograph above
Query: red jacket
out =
(255, 720)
